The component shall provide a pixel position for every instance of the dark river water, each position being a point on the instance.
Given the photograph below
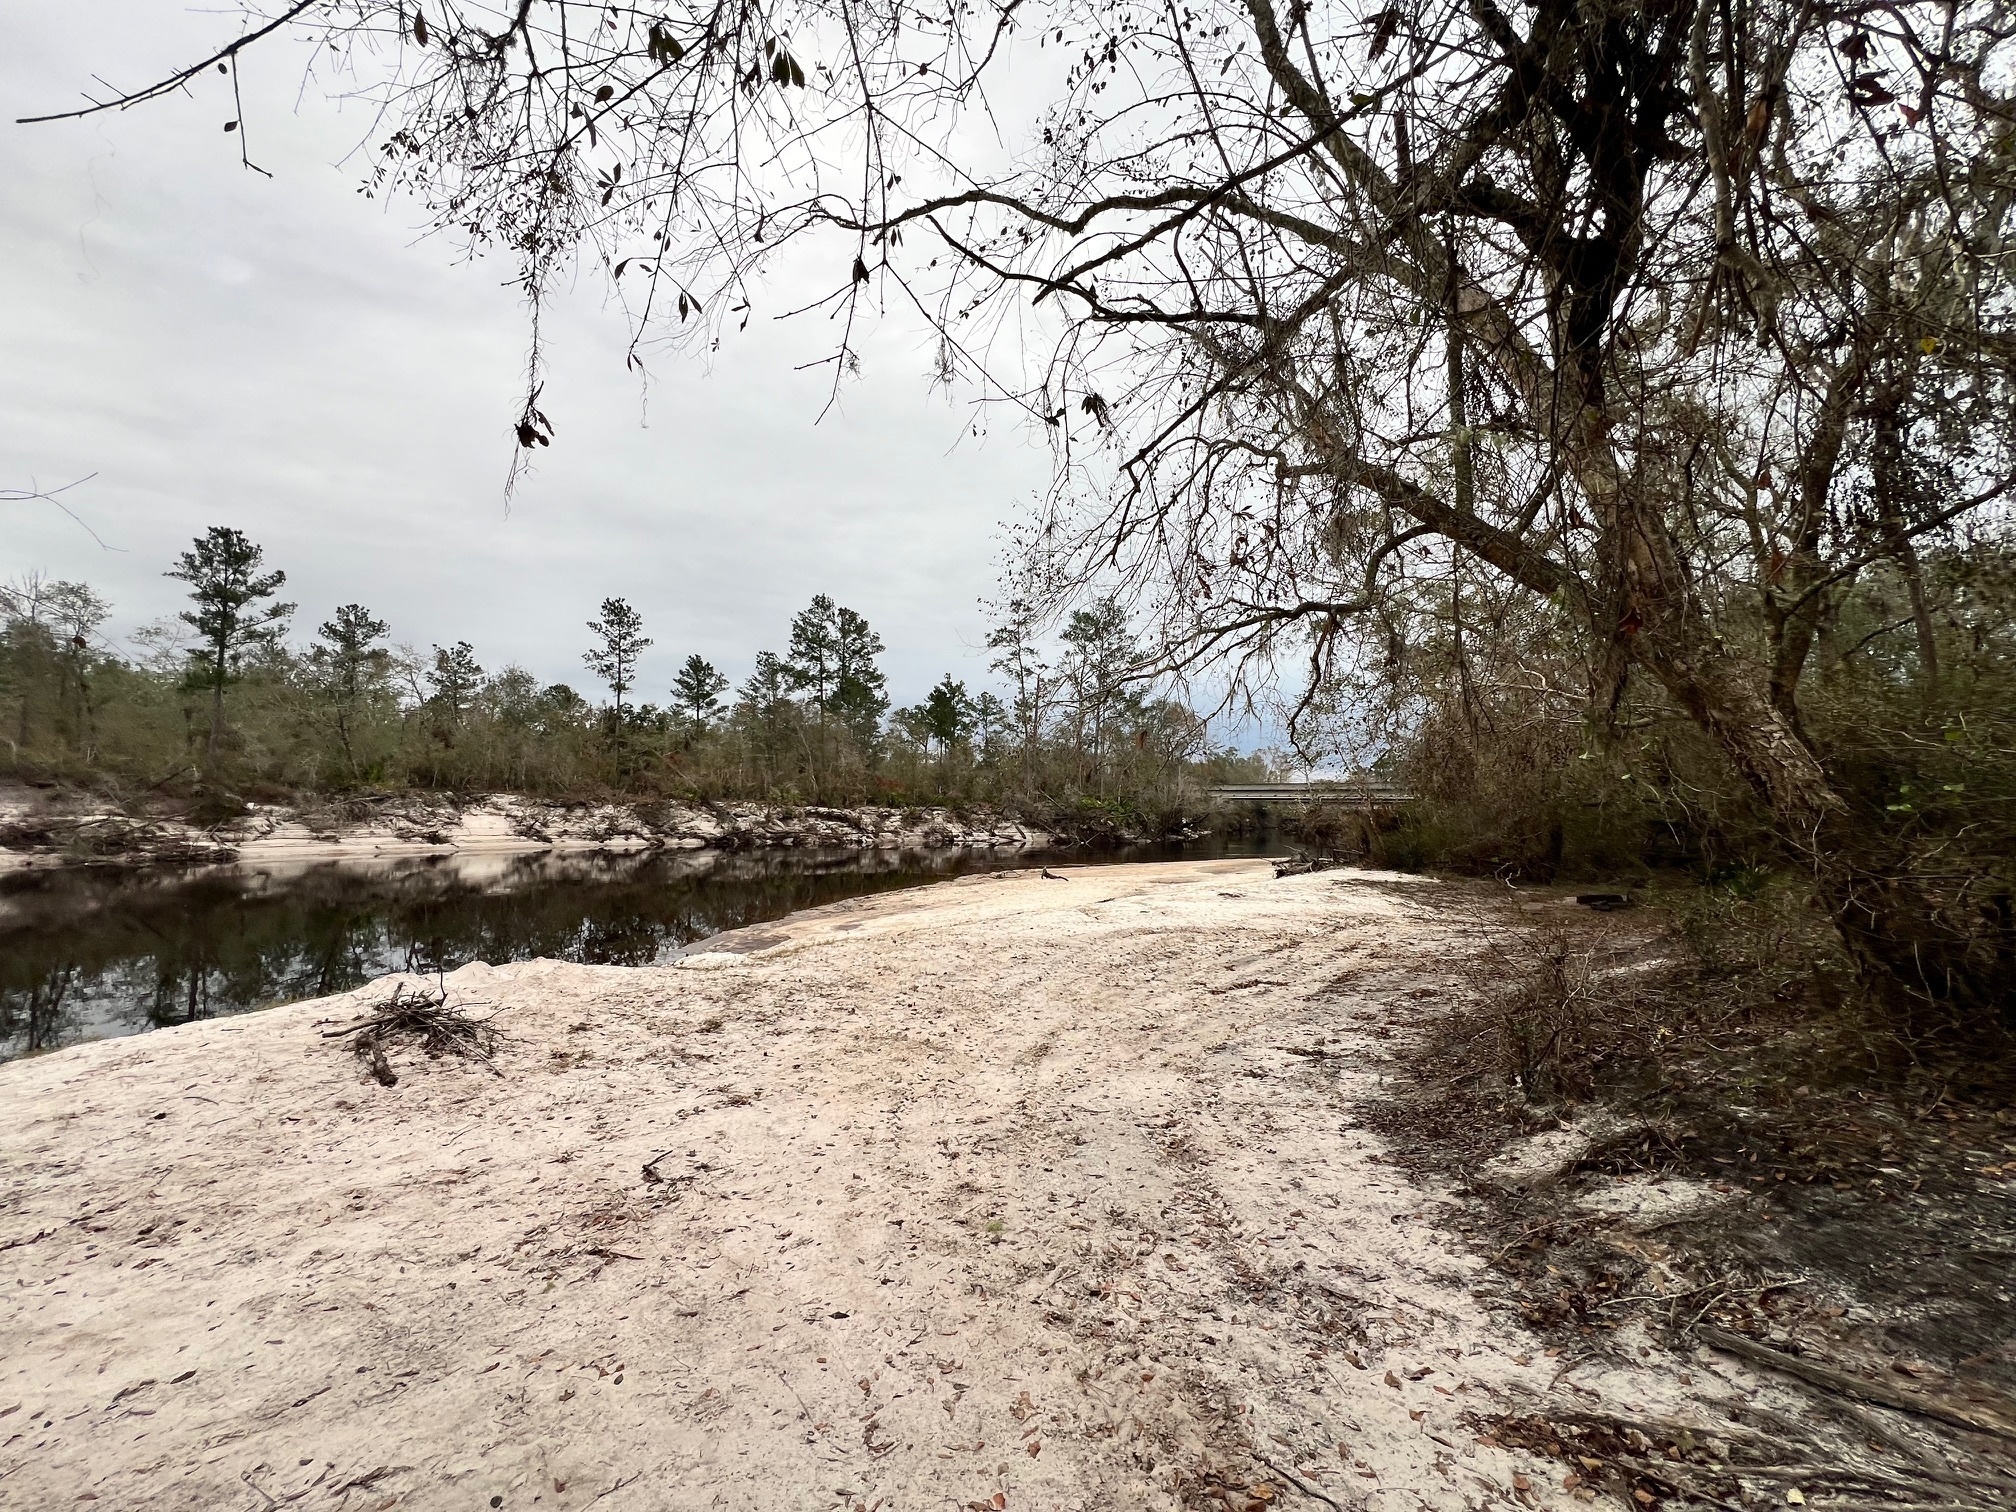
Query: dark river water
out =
(91, 953)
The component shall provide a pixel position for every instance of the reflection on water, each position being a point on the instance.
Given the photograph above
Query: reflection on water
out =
(86, 954)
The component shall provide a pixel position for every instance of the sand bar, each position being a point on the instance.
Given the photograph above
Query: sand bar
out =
(1007, 1192)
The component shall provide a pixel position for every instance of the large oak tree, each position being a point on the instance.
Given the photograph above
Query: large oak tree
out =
(1673, 314)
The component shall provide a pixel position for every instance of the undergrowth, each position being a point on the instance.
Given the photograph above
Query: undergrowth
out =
(1856, 1190)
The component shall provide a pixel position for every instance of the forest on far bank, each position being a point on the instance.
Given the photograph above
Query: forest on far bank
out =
(228, 702)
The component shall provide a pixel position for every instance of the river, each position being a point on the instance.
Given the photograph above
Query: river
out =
(90, 953)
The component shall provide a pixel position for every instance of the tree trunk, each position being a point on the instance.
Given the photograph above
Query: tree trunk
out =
(1887, 480)
(216, 718)
(1936, 960)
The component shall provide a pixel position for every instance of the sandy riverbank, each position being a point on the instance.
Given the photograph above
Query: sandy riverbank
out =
(36, 832)
(1007, 1193)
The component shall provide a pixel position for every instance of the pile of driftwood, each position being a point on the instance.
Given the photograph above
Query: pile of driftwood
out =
(111, 839)
(421, 1016)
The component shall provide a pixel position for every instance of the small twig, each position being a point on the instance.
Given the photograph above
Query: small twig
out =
(1298, 1483)
(1570, 1363)
(367, 1480)
(1342, 1296)
(48, 496)
(651, 1176)
(1543, 1226)
(1702, 1311)
(1632, 1298)
(632, 1480)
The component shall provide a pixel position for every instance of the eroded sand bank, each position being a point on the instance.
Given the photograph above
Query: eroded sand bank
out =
(37, 830)
(1007, 1192)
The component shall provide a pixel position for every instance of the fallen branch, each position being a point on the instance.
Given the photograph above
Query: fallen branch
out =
(1301, 866)
(1840, 1474)
(1673, 1481)
(1664, 1428)
(1829, 1379)
(1687, 1435)
(1927, 1462)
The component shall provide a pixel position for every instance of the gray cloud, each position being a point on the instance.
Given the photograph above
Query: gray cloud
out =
(286, 357)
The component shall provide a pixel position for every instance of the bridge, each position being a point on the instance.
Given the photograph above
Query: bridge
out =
(1365, 792)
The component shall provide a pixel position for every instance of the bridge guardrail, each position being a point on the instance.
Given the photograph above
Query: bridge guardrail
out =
(1376, 793)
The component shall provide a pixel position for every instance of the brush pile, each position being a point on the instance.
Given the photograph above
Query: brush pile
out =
(419, 1016)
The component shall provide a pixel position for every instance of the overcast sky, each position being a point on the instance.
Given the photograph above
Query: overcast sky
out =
(289, 358)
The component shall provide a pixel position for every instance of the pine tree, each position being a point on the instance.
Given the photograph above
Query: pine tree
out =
(77, 611)
(812, 657)
(832, 656)
(990, 723)
(860, 692)
(621, 630)
(1016, 656)
(454, 677)
(349, 664)
(697, 690)
(1101, 653)
(767, 688)
(948, 713)
(763, 708)
(222, 571)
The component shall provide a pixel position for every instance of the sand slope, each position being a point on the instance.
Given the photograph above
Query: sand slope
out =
(1008, 1192)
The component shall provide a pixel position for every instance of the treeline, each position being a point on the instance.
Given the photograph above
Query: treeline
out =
(221, 702)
